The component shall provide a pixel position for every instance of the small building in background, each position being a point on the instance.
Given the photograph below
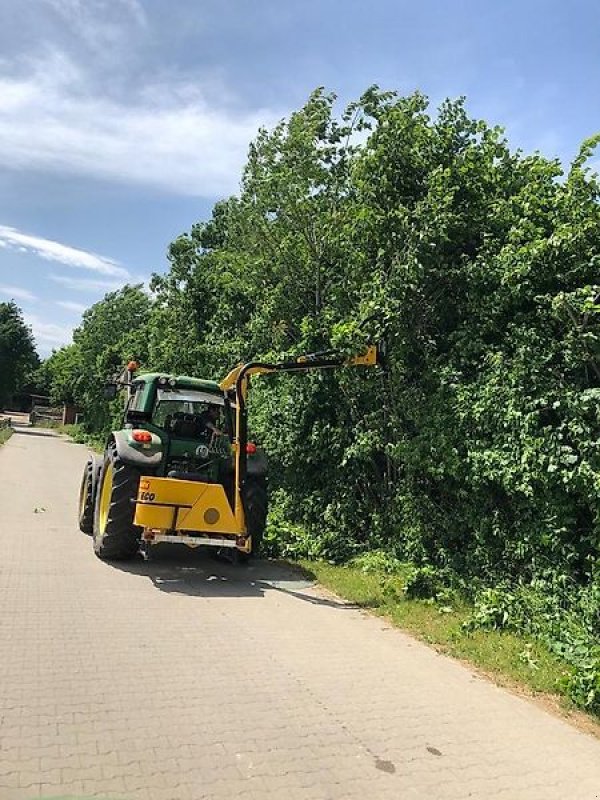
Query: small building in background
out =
(71, 414)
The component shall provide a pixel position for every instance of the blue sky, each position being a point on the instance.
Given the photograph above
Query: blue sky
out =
(122, 121)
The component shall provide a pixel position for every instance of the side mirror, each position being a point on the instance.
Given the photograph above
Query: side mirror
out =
(110, 391)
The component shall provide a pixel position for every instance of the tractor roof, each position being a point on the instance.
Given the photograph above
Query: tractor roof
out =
(182, 381)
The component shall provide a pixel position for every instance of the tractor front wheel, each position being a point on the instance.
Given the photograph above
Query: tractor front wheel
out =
(115, 536)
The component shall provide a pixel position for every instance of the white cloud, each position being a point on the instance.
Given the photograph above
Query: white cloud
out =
(48, 334)
(78, 308)
(100, 24)
(166, 135)
(86, 284)
(16, 293)
(64, 254)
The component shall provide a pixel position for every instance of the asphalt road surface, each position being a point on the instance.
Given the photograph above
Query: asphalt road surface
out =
(183, 679)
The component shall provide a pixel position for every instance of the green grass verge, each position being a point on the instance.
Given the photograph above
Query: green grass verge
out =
(78, 435)
(511, 659)
(5, 434)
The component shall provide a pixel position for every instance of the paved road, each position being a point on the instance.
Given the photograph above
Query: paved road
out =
(183, 679)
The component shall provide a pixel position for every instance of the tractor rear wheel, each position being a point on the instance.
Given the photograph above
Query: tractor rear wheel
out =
(115, 536)
(256, 503)
(87, 494)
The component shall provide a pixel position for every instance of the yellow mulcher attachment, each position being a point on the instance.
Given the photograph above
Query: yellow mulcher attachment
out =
(169, 509)
(196, 513)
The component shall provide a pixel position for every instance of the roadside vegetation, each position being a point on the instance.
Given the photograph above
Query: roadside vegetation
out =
(95, 441)
(474, 454)
(5, 434)
(18, 357)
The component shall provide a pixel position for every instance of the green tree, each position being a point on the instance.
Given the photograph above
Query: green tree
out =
(60, 375)
(18, 357)
(112, 331)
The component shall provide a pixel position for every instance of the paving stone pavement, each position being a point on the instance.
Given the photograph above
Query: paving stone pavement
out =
(184, 679)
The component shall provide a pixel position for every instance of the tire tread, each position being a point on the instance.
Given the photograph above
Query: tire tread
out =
(121, 539)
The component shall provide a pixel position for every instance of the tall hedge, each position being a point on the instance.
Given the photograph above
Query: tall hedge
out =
(475, 266)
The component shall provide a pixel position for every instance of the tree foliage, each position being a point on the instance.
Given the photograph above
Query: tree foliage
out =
(18, 357)
(113, 330)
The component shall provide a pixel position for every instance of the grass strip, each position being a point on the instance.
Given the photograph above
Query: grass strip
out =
(512, 660)
(79, 436)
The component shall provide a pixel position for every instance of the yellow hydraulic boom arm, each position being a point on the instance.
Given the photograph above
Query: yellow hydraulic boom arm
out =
(238, 379)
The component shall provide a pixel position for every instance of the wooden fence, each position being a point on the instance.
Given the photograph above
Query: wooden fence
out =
(46, 415)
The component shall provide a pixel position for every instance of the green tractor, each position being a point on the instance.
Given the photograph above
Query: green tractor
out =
(180, 429)
(181, 469)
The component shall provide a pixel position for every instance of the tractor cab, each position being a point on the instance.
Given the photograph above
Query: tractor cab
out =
(188, 420)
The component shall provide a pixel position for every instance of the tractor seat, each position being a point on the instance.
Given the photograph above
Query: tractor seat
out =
(186, 426)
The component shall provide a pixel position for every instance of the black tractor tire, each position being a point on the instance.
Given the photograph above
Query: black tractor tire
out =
(255, 505)
(87, 494)
(116, 538)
